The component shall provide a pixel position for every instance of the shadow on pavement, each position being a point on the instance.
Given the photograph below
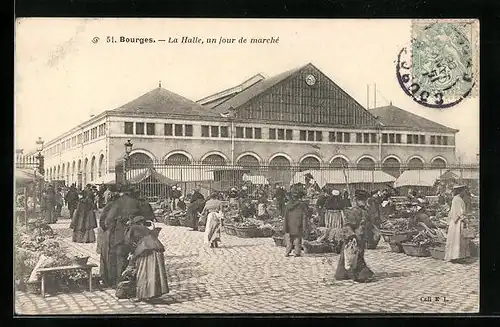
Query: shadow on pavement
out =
(237, 246)
(384, 275)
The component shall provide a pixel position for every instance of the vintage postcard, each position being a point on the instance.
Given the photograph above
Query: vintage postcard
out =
(178, 166)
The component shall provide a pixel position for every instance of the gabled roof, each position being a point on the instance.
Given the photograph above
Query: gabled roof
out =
(391, 116)
(219, 97)
(254, 90)
(162, 101)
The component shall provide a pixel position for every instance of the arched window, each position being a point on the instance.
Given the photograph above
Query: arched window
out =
(92, 169)
(248, 161)
(101, 166)
(391, 166)
(139, 160)
(214, 159)
(366, 163)
(438, 163)
(280, 170)
(415, 163)
(85, 171)
(178, 159)
(338, 162)
(310, 163)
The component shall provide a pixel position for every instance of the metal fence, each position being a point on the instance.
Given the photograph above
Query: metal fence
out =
(155, 179)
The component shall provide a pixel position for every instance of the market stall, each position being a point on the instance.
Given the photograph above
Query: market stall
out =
(28, 186)
(418, 180)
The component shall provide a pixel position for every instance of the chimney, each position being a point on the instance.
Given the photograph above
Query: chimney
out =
(159, 83)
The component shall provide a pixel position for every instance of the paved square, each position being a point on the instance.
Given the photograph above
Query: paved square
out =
(253, 276)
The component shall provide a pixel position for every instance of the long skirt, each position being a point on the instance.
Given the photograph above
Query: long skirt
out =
(151, 278)
(84, 236)
(334, 219)
(212, 228)
(456, 246)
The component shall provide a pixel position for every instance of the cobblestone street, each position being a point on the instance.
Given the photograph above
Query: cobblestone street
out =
(253, 276)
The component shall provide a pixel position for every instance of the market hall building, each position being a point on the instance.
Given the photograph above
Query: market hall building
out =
(299, 117)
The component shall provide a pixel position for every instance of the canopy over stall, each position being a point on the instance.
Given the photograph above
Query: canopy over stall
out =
(25, 176)
(339, 176)
(425, 178)
(256, 179)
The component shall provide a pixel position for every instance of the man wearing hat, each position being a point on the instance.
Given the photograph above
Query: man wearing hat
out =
(196, 204)
(296, 222)
(279, 197)
(456, 246)
(354, 233)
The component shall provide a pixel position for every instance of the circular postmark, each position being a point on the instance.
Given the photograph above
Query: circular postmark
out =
(436, 71)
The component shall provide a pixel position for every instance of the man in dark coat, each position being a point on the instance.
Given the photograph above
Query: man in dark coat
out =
(354, 228)
(279, 197)
(372, 226)
(296, 222)
(195, 206)
(71, 199)
(113, 220)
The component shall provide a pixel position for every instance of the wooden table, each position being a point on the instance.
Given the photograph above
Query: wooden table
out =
(87, 268)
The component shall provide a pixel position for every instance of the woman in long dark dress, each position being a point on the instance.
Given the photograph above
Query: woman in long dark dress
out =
(354, 240)
(84, 221)
(147, 260)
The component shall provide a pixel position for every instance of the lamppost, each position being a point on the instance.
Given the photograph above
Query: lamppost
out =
(128, 149)
(39, 156)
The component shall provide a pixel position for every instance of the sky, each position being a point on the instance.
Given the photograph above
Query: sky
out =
(62, 77)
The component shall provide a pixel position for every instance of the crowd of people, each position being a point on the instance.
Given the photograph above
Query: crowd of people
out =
(128, 243)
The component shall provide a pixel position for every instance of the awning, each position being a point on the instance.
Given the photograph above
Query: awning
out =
(339, 176)
(464, 174)
(26, 176)
(418, 178)
(256, 179)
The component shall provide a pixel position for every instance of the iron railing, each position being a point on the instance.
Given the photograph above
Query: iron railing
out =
(155, 179)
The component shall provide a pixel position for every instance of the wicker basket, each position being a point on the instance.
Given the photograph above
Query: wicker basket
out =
(437, 252)
(415, 250)
(396, 247)
(279, 241)
(229, 229)
(33, 287)
(201, 228)
(266, 232)
(173, 221)
(401, 237)
(247, 232)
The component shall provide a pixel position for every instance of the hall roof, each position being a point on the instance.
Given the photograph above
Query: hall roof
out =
(392, 116)
(162, 101)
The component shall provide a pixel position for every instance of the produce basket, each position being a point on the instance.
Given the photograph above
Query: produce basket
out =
(437, 252)
(266, 232)
(173, 221)
(414, 250)
(229, 229)
(396, 247)
(201, 228)
(402, 236)
(279, 240)
(247, 232)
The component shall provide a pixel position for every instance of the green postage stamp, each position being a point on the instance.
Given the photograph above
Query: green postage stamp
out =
(441, 67)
